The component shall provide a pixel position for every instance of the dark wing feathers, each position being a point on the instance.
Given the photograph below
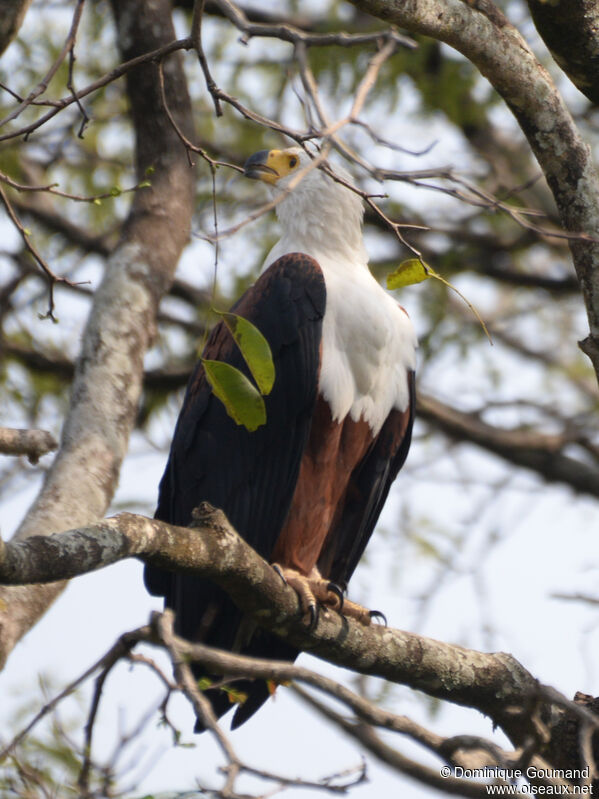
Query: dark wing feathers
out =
(251, 476)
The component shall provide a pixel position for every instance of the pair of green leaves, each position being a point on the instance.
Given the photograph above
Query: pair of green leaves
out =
(243, 401)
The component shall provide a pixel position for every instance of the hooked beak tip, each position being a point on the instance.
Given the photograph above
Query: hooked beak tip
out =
(257, 169)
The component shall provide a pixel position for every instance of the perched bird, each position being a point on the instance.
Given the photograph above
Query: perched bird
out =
(305, 489)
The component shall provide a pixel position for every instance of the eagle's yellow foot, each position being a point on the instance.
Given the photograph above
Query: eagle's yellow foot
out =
(313, 591)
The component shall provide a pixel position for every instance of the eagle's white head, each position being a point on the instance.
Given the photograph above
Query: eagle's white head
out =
(318, 215)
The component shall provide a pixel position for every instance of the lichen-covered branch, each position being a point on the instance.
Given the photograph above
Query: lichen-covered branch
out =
(109, 373)
(32, 443)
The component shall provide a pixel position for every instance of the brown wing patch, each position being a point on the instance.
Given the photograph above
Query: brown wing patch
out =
(334, 450)
(366, 494)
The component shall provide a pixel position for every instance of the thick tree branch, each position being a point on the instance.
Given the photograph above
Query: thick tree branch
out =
(570, 29)
(32, 443)
(495, 684)
(481, 32)
(12, 14)
(108, 379)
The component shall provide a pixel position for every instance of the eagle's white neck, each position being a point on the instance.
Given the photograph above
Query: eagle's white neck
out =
(368, 343)
(324, 217)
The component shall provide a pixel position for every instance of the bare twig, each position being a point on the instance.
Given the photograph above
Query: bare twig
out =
(164, 626)
(179, 654)
(120, 649)
(189, 145)
(477, 197)
(84, 773)
(393, 757)
(71, 81)
(290, 33)
(45, 81)
(51, 188)
(109, 77)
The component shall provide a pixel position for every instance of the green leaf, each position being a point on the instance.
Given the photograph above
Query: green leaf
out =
(407, 273)
(254, 348)
(241, 399)
(414, 270)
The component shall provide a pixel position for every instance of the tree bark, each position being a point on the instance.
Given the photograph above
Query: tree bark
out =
(109, 373)
(12, 14)
(570, 29)
(32, 443)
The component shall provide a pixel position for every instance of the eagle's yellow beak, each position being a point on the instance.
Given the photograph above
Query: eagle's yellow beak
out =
(271, 165)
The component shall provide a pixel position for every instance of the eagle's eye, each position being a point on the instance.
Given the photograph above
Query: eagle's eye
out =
(293, 161)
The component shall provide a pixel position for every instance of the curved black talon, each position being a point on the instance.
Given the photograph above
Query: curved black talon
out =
(376, 614)
(313, 611)
(336, 589)
(277, 568)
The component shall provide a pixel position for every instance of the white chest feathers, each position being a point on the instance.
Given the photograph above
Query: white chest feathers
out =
(368, 342)
(368, 347)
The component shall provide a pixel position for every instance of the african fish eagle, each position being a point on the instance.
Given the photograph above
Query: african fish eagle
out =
(305, 490)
